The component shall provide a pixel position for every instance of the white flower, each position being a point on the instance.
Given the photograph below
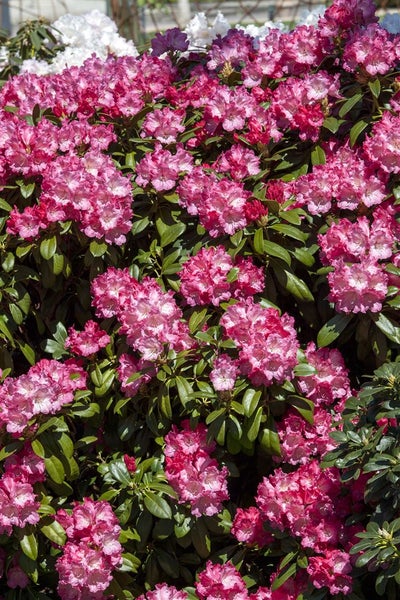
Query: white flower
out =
(311, 17)
(200, 34)
(83, 35)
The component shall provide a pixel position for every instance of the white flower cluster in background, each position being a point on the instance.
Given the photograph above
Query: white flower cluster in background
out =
(95, 33)
(83, 35)
(201, 34)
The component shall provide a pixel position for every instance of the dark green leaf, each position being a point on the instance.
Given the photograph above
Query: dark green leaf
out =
(332, 329)
(157, 506)
(389, 327)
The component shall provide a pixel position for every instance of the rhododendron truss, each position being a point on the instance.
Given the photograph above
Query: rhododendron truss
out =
(199, 320)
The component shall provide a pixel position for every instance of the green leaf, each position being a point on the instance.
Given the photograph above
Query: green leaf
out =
(98, 248)
(5, 330)
(332, 124)
(29, 546)
(130, 563)
(293, 284)
(48, 247)
(375, 87)
(54, 532)
(348, 105)
(356, 130)
(254, 424)
(304, 406)
(291, 231)
(184, 389)
(157, 506)
(197, 320)
(389, 327)
(54, 468)
(119, 472)
(16, 314)
(201, 539)
(273, 249)
(171, 234)
(259, 241)
(269, 441)
(304, 370)
(26, 189)
(332, 329)
(250, 401)
(283, 576)
(28, 352)
(317, 156)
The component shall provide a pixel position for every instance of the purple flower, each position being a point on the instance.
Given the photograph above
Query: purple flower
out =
(172, 40)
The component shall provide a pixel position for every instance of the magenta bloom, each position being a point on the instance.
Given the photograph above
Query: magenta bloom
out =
(87, 342)
(219, 582)
(194, 475)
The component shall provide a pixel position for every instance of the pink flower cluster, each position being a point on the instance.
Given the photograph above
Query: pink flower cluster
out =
(18, 501)
(309, 505)
(330, 382)
(347, 180)
(219, 203)
(371, 51)
(301, 103)
(267, 341)
(358, 281)
(301, 441)
(382, 147)
(213, 276)
(149, 317)
(91, 552)
(192, 472)
(129, 365)
(161, 168)
(87, 342)
(44, 390)
(248, 527)
(224, 372)
(77, 181)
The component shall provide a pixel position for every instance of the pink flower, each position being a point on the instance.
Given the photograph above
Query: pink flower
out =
(213, 276)
(45, 389)
(161, 168)
(87, 342)
(357, 287)
(332, 571)
(92, 550)
(162, 591)
(248, 527)
(300, 441)
(128, 366)
(239, 162)
(194, 475)
(266, 341)
(371, 50)
(221, 582)
(16, 577)
(331, 380)
(164, 124)
(224, 372)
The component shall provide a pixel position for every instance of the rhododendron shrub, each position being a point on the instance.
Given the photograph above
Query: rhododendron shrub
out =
(199, 254)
